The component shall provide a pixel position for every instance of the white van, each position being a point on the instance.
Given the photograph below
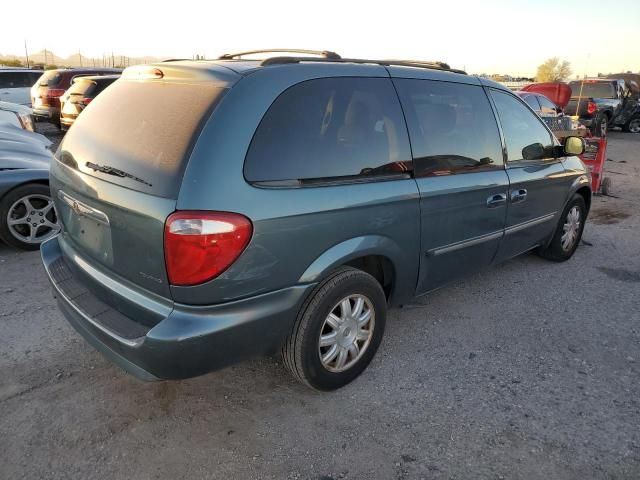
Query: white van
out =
(16, 83)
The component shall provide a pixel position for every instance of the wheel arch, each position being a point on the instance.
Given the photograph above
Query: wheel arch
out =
(21, 183)
(377, 255)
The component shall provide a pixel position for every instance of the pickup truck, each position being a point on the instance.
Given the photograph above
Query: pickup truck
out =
(601, 103)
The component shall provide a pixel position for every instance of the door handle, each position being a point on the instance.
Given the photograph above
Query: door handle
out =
(518, 195)
(496, 200)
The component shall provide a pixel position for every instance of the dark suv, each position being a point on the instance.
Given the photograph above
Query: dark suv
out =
(46, 92)
(214, 210)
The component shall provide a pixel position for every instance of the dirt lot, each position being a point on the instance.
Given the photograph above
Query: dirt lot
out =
(528, 370)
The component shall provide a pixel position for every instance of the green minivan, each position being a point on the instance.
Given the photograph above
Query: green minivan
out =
(216, 210)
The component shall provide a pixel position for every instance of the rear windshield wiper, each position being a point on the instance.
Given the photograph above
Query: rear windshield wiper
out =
(114, 171)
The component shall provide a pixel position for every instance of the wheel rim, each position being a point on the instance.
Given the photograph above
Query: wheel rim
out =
(570, 229)
(32, 219)
(634, 126)
(346, 333)
(603, 127)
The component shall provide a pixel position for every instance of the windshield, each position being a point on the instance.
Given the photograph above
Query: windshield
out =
(592, 89)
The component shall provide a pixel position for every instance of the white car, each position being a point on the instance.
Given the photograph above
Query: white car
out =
(16, 83)
(17, 115)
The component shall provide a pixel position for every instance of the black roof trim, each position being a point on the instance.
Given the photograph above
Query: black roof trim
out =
(386, 63)
(322, 53)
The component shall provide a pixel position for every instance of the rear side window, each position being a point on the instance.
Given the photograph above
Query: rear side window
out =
(452, 127)
(532, 102)
(521, 127)
(330, 128)
(546, 104)
(139, 134)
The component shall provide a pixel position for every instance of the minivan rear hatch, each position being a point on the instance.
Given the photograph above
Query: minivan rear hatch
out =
(118, 170)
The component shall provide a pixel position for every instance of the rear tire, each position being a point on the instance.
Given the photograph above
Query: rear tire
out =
(331, 343)
(633, 125)
(568, 232)
(600, 126)
(605, 186)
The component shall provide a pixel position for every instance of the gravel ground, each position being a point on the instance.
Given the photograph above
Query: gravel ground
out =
(528, 370)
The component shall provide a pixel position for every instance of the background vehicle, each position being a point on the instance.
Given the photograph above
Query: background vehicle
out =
(46, 92)
(80, 94)
(540, 104)
(16, 83)
(293, 201)
(599, 102)
(27, 213)
(18, 115)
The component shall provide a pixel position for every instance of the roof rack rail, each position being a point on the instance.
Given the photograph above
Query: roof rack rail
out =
(399, 63)
(321, 53)
(174, 60)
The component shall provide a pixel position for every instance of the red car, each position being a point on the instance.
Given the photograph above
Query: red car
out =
(46, 93)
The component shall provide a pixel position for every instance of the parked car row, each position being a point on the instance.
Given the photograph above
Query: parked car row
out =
(52, 85)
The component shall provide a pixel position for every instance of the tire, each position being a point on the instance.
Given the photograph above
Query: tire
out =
(39, 197)
(605, 186)
(600, 126)
(557, 250)
(302, 350)
(633, 125)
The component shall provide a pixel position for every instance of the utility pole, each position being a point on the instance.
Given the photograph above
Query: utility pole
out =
(45, 58)
(26, 52)
(80, 55)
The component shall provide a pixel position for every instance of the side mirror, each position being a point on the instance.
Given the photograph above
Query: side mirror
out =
(574, 146)
(535, 151)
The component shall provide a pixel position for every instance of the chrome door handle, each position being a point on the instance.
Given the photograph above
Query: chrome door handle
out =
(496, 200)
(518, 195)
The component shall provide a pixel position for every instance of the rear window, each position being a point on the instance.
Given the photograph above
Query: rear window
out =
(82, 87)
(140, 132)
(49, 78)
(594, 90)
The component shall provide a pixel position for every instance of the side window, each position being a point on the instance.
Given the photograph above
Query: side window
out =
(5, 81)
(525, 135)
(532, 102)
(330, 128)
(547, 105)
(451, 126)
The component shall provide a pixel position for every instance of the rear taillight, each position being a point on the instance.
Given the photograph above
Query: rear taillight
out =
(591, 107)
(199, 246)
(86, 100)
(55, 92)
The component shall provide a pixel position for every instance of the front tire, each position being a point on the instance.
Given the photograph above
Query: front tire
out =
(568, 232)
(28, 217)
(338, 330)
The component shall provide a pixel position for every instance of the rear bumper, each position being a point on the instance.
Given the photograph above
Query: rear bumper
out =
(190, 341)
(46, 113)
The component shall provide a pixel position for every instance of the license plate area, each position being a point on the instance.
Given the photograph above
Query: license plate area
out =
(89, 227)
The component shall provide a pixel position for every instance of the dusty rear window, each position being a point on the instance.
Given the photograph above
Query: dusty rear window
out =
(139, 134)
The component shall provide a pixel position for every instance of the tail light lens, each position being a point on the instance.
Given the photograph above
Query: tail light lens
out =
(199, 246)
(55, 92)
(86, 100)
(591, 107)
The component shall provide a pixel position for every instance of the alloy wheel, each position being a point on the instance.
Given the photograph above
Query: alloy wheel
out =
(32, 219)
(346, 333)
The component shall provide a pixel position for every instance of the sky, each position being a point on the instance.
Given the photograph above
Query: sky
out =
(491, 36)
